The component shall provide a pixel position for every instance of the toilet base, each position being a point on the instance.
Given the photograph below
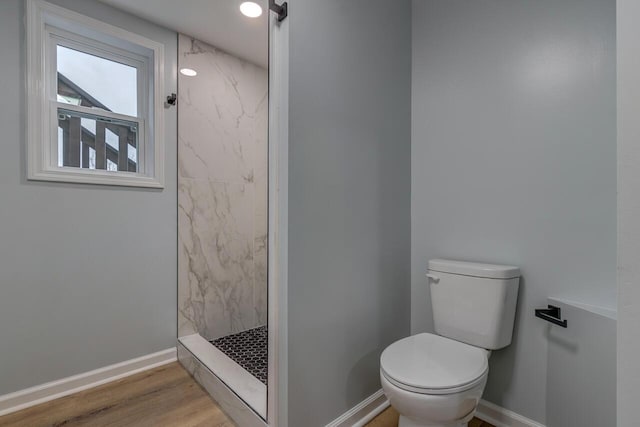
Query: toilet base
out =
(433, 410)
(406, 422)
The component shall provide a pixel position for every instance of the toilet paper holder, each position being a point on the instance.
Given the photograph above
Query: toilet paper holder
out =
(551, 314)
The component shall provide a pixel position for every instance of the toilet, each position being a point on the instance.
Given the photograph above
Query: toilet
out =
(437, 380)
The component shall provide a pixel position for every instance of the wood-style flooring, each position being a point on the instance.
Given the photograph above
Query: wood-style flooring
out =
(162, 397)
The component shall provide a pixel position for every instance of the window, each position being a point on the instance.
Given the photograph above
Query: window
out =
(94, 114)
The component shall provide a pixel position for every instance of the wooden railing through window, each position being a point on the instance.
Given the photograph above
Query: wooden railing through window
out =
(78, 141)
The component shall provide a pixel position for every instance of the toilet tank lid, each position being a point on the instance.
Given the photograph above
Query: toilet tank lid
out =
(475, 269)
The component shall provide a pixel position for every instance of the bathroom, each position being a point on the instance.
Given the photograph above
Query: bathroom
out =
(300, 183)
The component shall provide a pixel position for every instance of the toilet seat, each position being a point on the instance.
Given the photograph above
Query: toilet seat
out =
(431, 364)
(440, 391)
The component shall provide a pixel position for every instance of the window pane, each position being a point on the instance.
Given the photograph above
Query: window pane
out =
(91, 142)
(91, 81)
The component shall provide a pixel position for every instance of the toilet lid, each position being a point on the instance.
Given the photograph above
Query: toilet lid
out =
(428, 361)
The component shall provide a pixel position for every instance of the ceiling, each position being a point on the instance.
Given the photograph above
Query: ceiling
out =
(217, 22)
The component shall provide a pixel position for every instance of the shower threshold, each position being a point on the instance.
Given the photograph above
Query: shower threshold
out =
(245, 385)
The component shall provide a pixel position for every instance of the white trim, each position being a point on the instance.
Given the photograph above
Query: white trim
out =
(32, 396)
(368, 409)
(501, 417)
(277, 391)
(151, 150)
(363, 412)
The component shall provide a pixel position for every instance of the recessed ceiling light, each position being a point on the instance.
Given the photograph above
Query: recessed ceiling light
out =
(250, 9)
(188, 72)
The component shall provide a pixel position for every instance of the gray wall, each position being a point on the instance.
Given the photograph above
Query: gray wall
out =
(87, 273)
(628, 50)
(514, 161)
(349, 199)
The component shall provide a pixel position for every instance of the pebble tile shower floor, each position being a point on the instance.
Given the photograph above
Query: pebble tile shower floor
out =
(248, 349)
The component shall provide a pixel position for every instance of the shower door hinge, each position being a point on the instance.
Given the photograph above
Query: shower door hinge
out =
(281, 11)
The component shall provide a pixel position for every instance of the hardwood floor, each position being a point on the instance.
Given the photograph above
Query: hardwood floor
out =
(389, 418)
(165, 396)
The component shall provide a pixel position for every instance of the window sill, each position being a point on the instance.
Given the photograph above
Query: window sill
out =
(96, 177)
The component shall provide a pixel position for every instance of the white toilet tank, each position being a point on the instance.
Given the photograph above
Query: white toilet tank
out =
(474, 303)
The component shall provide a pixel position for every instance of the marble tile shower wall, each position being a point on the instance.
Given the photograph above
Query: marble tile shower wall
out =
(222, 194)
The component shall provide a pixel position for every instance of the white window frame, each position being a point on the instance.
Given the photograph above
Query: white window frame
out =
(49, 26)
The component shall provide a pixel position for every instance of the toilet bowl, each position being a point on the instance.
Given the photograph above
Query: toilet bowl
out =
(432, 380)
(437, 380)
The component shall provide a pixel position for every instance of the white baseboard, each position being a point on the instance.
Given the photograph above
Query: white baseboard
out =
(501, 417)
(368, 409)
(363, 412)
(22, 399)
